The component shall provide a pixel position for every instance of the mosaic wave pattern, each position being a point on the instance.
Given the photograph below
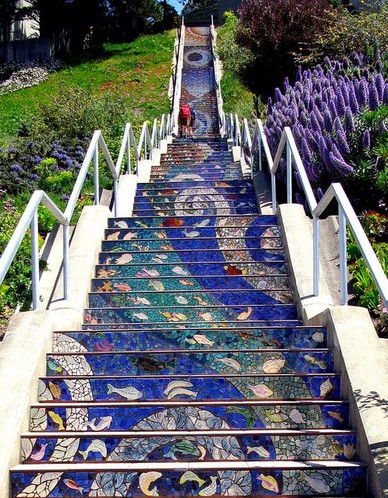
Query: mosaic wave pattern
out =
(192, 375)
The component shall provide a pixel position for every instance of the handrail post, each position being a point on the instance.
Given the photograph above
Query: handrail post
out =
(289, 174)
(260, 152)
(273, 188)
(66, 261)
(96, 176)
(343, 255)
(316, 268)
(35, 261)
(128, 155)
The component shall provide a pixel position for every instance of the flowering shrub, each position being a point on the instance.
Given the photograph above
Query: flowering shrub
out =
(339, 117)
(273, 31)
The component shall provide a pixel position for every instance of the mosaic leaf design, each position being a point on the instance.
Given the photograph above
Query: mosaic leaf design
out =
(27, 445)
(41, 485)
(65, 449)
(112, 484)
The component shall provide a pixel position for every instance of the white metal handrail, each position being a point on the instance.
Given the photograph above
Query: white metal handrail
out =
(144, 149)
(347, 217)
(173, 124)
(128, 144)
(30, 217)
(217, 71)
(27, 220)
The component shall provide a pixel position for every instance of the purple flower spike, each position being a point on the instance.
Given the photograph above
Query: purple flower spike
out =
(278, 95)
(353, 102)
(313, 144)
(342, 142)
(327, 61)
(380, 164)
(319, 193)
(333, 109)
(306, 152)
(385, 94)
(314, 122)
(349, 121)
(299, 74)
(340, 104)
(345, 93)
(380, 83)
(356, 59)
(269, 106)
(366, 139)
(327, 121)
(318, 115)
(373, 96)
(363, 93)
(340, 165)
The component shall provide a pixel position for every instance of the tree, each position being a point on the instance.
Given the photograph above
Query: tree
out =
(273, 32)
(7, 17)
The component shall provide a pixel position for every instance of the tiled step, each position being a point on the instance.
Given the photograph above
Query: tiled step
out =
(193, 338)
(189, 362)
(173, 198)
(249, 272)
(204, 299)
(232, 478)
(170, 195)
(275, 285)
(176, 176)
(192, 241)
(96, 322)
(269, 314)
(188, 182)
(250, 234)
(193, 208)
(200, 387)
(187, 415)
(247, 222)
(191, 446)
(263, 257)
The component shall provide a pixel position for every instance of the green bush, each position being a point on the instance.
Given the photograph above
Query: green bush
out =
(15, 289)
(347, 32)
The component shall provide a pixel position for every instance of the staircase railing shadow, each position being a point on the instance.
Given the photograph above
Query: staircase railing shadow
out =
(253, 145)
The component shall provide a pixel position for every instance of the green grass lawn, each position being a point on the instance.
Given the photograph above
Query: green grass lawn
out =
(138, 71)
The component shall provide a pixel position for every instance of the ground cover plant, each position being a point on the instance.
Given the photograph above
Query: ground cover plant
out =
(45, 130)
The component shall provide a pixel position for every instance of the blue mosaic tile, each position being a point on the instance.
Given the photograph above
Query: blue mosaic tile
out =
(216, 313)
(181, 363)
(189, 415)
(336, 482)
(194, 337)
(202, 447)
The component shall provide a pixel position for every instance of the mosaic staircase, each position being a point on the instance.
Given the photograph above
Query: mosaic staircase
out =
(191, 375)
